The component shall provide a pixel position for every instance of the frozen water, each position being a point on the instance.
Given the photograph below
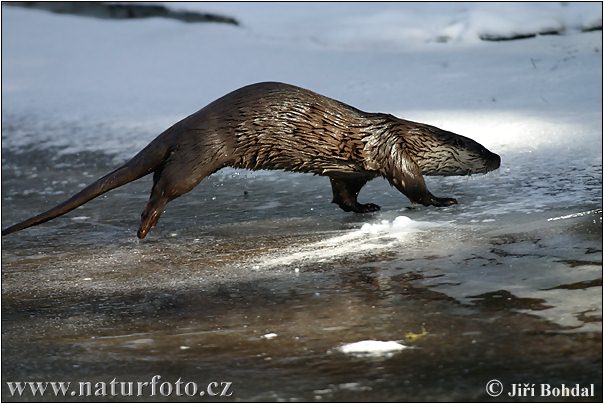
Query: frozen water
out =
(507, 284)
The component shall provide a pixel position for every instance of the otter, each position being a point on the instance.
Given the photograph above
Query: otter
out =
(278, 126)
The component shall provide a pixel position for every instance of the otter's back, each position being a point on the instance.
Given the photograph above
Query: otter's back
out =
(280, 126)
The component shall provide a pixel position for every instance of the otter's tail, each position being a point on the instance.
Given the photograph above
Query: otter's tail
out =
(145, 162)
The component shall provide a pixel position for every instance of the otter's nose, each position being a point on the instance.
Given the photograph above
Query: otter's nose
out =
(494, 162)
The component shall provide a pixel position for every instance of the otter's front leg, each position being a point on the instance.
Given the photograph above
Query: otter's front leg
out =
(408, 179)
(345, 192)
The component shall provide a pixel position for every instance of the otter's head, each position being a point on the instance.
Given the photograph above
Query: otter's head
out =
(439, 152)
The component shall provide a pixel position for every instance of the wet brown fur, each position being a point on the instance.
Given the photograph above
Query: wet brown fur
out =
(279, 126)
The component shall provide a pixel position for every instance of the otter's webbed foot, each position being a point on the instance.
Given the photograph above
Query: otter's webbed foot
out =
(367, 208)
(345, 192)
(440, 202)
(359, 207)
(150, 216)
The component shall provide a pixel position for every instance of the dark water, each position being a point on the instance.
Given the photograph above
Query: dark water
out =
(507, 285)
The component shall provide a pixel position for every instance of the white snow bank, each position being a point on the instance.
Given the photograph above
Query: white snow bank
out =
(367, 26)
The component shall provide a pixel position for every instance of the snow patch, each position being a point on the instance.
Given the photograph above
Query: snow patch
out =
(270, 335)
(370, 238)
(80, 218)
(401, 224)
(573, 215)
(372, 348)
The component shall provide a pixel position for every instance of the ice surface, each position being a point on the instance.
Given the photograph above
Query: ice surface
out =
(535, 102)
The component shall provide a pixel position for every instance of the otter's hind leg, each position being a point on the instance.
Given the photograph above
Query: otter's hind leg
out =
(154, 208)
(345, 192)
(170, 182)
